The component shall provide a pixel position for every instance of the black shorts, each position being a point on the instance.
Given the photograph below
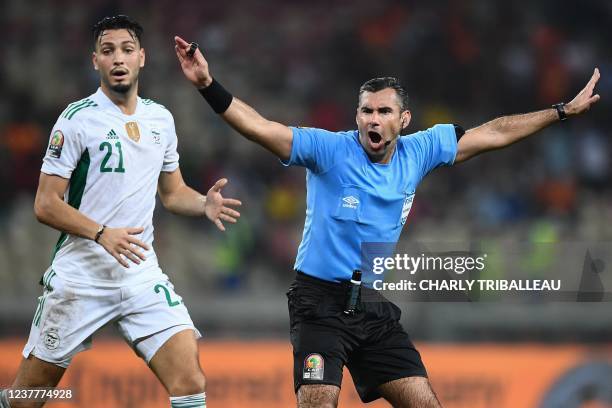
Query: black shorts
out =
(371, 343)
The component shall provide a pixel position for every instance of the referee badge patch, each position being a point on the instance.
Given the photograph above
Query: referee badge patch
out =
(313, 367)
(56, 144)
(406, 207)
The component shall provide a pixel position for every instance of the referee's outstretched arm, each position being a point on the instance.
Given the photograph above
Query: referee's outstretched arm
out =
(274, 136)
(510, 129)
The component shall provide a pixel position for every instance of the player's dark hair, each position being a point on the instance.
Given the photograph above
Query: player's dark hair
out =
(120, 21)
(378, 84)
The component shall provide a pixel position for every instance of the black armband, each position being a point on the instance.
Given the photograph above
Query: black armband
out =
(459, 131)
(216, 96)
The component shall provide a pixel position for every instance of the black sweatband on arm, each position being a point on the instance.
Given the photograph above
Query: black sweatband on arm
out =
(216, 96)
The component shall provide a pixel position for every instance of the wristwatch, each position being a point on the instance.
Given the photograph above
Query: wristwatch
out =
(99, 233)
(560, 107)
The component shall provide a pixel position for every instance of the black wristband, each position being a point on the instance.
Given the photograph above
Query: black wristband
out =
(216, 96)
(560, 107)
(99, 233)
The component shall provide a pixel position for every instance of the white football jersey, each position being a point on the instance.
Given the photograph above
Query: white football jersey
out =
(113, 162)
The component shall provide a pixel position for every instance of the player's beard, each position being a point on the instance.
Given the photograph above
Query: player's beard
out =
(122, 88)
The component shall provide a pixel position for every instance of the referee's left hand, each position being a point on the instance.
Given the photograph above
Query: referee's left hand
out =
(585, 98)
(194, 67)
(216, 207)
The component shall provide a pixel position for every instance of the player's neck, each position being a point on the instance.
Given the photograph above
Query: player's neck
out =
(125, 101)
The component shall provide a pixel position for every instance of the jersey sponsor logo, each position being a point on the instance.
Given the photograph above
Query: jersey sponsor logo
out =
(350, 202)
(313, 367)
(406, 208)
(112, 135)
(51, 339)
(132, 131)
(56, 144)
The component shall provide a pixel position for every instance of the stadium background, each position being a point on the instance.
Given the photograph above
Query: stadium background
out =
(301, 63)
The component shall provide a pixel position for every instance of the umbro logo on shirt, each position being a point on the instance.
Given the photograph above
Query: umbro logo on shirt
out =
(112, 135)
(350, 202)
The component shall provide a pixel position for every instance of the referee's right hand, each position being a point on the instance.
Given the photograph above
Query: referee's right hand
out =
(122, 245)
(195, 66)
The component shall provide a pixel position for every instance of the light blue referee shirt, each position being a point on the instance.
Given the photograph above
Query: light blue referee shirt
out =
(351, 200)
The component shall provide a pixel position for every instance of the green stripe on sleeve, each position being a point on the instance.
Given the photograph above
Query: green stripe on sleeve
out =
(80, 108)
(74, 106)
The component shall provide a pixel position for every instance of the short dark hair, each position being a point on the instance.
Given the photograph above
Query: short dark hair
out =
(378, 84)
(115, 23)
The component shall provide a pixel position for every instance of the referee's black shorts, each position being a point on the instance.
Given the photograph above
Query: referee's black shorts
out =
(371, 343)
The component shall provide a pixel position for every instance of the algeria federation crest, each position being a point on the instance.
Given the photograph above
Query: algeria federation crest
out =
(56, 144)
(313, 367)
(132, 131)
(51, 339)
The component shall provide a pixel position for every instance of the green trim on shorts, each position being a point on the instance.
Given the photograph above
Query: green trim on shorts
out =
(46, 282)
(39, 309)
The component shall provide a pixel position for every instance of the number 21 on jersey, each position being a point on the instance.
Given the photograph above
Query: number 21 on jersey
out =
(105, 166)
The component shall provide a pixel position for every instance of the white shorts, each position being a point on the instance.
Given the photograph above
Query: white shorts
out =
(69, 314)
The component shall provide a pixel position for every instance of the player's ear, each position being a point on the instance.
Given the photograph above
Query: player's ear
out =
(142, 57)
(405, 118)
(94, 60)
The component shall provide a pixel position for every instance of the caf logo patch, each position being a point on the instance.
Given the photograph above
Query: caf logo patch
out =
(313, 367)
(56, 143)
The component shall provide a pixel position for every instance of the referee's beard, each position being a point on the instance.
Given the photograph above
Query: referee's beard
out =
(383, 155)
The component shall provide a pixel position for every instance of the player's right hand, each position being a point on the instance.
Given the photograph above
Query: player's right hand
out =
(194, 67)
(121, 243)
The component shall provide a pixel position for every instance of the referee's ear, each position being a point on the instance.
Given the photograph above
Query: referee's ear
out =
(405, 118)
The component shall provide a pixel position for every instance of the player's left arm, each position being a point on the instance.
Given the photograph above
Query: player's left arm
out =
(177, 197)
(506, 130)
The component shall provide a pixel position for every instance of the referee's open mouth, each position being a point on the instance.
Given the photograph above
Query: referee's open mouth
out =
(375, 140)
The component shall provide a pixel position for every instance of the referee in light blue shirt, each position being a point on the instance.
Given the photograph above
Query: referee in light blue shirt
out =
(360, 187)
(353, 199)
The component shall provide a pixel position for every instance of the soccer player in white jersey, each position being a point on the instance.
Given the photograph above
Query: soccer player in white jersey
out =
(108, 155)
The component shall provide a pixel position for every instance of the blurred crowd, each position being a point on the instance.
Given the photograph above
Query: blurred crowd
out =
(301, 63)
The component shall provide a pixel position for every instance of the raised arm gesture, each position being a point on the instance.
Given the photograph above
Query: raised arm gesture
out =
(274, 136)
(506, 130)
